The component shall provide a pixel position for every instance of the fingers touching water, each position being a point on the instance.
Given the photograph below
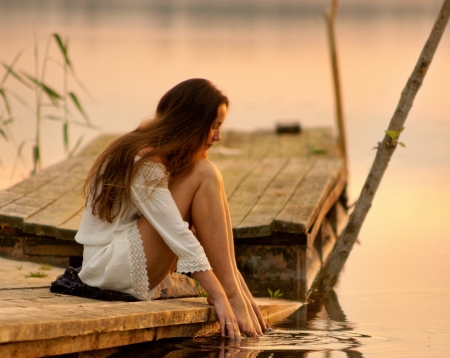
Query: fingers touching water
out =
(228, 324)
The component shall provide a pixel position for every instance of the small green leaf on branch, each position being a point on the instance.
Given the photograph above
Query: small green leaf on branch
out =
(394, 135)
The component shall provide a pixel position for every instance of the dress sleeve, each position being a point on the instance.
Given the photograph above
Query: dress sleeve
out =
(152, 197)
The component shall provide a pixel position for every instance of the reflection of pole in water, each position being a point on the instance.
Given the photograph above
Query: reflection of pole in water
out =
(332, 306)
(300, 317)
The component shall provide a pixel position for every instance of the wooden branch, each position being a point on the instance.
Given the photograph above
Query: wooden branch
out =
(385, 150)
(330, 18)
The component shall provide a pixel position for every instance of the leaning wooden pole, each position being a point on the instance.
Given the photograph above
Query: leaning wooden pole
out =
(330, 17)
(385, 150)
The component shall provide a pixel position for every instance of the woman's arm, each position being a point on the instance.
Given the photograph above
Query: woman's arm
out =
(158, 207)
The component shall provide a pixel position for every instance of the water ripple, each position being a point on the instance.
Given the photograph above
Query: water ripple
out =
(283, 340)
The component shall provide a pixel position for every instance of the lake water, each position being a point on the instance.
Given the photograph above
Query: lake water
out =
(271, 59)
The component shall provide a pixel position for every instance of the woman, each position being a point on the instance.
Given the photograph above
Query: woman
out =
(149, 192)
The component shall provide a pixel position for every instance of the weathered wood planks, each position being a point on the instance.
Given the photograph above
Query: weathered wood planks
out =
(299, 213)
(258, 220)
(45, 201)
(35, 322)
(274, 183)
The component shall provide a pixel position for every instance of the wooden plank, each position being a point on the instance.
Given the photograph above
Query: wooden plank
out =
(27, 203)
(322, 139)
(97, 341)
(7, 197)
(331, 199)
(122, 336)
(237, 140)
(97, 145)
(41, 205)
(70, 227)
(34, 323)
(44, 246)
(258, 223)
(292, 145)
(300, 212)
(48, 220)
(27, 322)
(13, 274)
(264, 144)
(234, 174)
(38, 296)
(253, 187)
(34, 182)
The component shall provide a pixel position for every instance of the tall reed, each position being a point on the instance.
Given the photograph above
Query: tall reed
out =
(49, 103)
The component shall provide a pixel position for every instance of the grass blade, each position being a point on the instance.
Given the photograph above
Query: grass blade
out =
(6, 102)
(66, 137)
(3, 134)
(54, 118)
(16, 75)
(77, 104)
(86, 125)
(19, 99)
(14, 61)
(63, 48)
(36, 158)
(77, 145)
(50, 92)
(20, 148)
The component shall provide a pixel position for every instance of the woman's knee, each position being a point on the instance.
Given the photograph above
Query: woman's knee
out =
(207, 171)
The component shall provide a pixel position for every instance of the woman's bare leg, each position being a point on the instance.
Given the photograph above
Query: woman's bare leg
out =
(207, 209)
(160, 258)
(253, 308)
(200, 199)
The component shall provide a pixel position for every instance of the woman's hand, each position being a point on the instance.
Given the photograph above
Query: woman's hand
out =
(228, 324)
(243, 317)
(216, 296)
(254, 308)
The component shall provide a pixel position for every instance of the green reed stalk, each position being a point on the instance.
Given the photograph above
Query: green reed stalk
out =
(42, 94)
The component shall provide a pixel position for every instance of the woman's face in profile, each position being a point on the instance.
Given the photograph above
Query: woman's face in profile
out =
(214, 133)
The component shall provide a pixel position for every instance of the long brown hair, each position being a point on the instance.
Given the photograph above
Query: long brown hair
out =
(177, 134)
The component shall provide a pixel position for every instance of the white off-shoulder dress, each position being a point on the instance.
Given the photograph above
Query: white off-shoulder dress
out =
(113, 256)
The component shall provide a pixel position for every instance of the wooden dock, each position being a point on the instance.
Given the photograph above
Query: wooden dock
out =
(285, 191)
(287, 199)
(35, 322)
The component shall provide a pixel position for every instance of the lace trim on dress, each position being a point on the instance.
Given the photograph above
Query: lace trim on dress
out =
(151, 171)
(193, 265)
(139, 278)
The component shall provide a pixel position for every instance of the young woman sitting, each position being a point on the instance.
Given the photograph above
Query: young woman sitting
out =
(155, 204)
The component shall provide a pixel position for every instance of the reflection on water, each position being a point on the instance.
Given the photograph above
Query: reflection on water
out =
(315, 330)
(278, 343)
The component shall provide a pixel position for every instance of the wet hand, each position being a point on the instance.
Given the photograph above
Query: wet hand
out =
(260, 323)
(228, 324)
(243, 317)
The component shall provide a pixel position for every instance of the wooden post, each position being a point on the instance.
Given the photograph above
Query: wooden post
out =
(384, 152)
(301, 288)
(330, 18)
